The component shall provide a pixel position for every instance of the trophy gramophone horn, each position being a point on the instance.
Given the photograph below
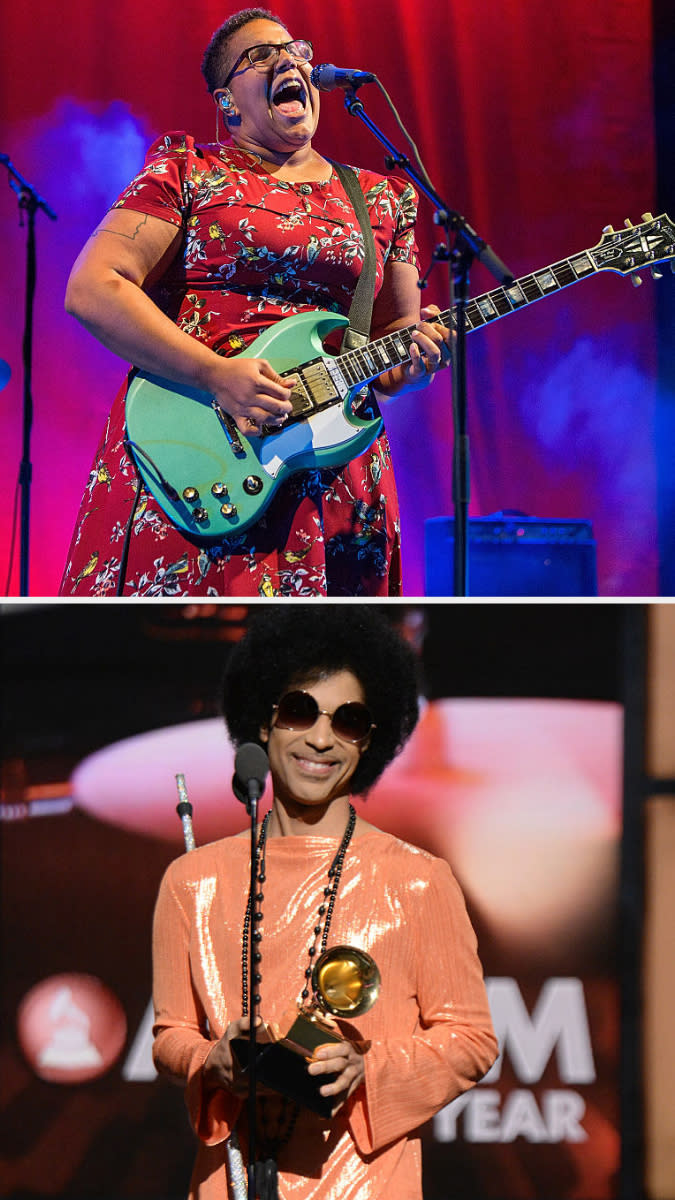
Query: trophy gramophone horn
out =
(346, 981)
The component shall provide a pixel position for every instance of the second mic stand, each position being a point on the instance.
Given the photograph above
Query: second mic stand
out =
(254, 793)
(29, 202)
(467, 246)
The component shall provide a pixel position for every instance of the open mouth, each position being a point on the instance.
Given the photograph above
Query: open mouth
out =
(289, 97)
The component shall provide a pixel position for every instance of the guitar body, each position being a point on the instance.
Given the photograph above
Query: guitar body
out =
(212, 481)
(188, 453)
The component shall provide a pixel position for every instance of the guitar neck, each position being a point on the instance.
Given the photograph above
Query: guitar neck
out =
(363, 365)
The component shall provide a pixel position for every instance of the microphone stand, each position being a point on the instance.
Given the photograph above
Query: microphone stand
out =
(29, 202)
(254, 792)
(460, 255)
(250, 768)
(235, 1165)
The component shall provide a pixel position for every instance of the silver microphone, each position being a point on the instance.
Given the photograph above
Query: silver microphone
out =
(326, 77)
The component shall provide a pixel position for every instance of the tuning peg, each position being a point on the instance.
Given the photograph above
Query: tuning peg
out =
(636, 280)
(656, 274)
(628, 223)
(608, 229)
(647, 217)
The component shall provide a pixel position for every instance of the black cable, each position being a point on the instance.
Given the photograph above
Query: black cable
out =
(127, 538)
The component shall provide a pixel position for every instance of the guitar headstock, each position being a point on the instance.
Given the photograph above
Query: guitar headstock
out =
(627, 250)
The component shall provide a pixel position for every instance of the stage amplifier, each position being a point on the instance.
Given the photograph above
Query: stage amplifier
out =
(513, 555)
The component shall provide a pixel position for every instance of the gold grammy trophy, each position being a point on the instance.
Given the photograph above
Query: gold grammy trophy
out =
(345, 983)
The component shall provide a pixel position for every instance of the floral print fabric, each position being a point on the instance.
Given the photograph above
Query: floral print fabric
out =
(255, 250)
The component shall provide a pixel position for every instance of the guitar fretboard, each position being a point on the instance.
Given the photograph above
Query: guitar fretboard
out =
(327, 380)
(366, 363)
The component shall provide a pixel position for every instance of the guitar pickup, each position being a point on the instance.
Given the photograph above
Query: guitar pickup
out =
(314, 389)
(301, 402)
(300, 398)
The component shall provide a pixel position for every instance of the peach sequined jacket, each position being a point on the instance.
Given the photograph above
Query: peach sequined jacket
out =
(431, 1031)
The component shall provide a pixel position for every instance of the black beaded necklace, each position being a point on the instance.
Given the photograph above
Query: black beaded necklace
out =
(272, 1141)
(324, 915)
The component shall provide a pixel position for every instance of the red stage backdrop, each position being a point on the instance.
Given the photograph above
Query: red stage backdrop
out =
(534, 120)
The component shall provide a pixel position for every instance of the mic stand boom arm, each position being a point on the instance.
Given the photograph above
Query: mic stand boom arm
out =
(467, 246)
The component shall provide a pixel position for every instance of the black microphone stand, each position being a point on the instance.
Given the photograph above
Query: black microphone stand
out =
(254, 793)
(460, 254)
(29, 202)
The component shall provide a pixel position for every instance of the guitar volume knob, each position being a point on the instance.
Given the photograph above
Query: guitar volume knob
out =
(200, 515)
(228, 510)
(219, 489)
(190, 495)
(253, 485)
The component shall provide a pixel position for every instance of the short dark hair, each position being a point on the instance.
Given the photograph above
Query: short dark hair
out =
(287, 645)
(213, 62)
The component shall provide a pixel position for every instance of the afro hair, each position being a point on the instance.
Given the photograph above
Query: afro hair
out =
(285, 646)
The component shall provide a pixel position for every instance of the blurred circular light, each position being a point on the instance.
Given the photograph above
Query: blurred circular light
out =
(71, 1028)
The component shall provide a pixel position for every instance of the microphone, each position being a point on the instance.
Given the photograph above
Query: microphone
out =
(326, 77)
(250, 771)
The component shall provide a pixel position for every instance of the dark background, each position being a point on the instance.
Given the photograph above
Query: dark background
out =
(80, 676)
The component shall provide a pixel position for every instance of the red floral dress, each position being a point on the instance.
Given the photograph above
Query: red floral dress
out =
(255, 250)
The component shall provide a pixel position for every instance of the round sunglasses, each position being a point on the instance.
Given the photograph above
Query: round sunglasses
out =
(298, 710)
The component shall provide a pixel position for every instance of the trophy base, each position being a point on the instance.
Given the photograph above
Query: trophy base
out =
(281, 1063)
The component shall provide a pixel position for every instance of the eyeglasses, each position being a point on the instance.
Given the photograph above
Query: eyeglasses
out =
(351, 722)
(263, 55)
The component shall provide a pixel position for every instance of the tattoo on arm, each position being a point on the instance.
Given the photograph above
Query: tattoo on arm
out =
(130, 237)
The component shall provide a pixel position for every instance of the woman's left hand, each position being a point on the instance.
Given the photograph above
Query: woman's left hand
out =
(341, 1059)
(430, 349)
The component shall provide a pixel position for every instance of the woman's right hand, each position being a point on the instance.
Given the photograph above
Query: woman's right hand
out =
(251, 391)
(220, 1068)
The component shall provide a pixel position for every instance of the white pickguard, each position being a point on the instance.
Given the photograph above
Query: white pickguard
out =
(321, 431)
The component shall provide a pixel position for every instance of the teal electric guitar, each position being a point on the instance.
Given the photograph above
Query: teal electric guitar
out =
(211, 480)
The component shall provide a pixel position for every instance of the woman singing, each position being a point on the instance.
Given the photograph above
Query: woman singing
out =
(207, 248)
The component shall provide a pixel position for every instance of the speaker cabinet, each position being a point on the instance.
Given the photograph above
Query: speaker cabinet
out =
(513, 555)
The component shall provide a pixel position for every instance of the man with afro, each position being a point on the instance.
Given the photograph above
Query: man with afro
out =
(331, 694)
